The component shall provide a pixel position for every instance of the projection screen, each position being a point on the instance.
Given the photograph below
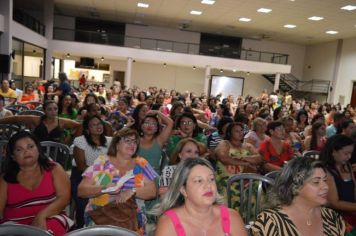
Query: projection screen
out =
(226, 85)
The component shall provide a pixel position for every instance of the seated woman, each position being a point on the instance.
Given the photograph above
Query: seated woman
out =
(186, 127)
(186, 148)
(33, 190)
(48, 127)
(108, 169)
(234, 157)
(192, 205)
(342, 185)
(153, 137)
(87, 148)
(28, 95)
(291, 136)
(258, 133)
(296, 203)
(275, 151)
(316, 141)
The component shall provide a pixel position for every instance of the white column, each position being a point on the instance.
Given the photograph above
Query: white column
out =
(6, 7)
(207, 79)
(276, 82)
(48, 21)
(128, 73)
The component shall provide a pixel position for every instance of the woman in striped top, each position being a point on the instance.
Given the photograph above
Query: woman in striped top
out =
(296, 203)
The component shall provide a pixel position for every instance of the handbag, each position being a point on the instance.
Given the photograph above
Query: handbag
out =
(117, 214)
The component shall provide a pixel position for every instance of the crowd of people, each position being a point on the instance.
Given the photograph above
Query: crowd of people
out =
(173, 153)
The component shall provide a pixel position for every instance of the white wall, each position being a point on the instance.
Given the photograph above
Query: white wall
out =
(2, 27)
(21, 32)
(296, 52)
(347, 72)
(320, 61)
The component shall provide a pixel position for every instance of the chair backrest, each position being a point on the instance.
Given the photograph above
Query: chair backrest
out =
(7, 130)
(31, 112)
(312, 154)
(250, 190)
(102, 230)
(23, 230)
(273, 174)
(19, 107)
(3, 144)
(57, 152)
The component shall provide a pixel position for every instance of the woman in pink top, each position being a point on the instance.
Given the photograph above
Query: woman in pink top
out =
(192, 206)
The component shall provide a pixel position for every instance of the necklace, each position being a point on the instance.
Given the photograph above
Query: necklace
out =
(309, 221)
(202, 229)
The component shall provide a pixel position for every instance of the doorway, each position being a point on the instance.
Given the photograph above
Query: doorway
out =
(353, 96)
(119, 76)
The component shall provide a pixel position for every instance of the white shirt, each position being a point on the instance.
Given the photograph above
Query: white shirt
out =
(89, 152)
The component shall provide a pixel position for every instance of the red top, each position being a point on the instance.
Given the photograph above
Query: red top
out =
(270, 154)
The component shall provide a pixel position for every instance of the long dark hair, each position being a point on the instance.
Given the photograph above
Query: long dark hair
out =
(334, 143)
(87, 135)
(144, 119)
(11, 167)
(135, 114)
(314, 138)
(60, 105)
(190, 116)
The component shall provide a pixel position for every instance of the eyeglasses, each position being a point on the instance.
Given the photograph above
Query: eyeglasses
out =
(187, 123)
(149, 123)
(129, 141)
(96, 125)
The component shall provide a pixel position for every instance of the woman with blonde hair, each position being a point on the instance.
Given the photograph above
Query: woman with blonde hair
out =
(192, 205)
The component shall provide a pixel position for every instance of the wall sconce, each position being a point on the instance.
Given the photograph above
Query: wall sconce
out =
(102, 58)
(194, 67)
(68, 55)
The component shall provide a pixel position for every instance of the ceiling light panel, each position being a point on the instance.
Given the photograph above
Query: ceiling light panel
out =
(264, 10)
(331, 32)
(244, 19)
(208, 2)
(143, 5)
(316, 18)
(195, 12)
(289, 26)
(348, 8)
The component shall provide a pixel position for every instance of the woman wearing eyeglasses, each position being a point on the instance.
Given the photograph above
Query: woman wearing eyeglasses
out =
(87, 148)
(153, 138)
(186, 127)
(108, 170)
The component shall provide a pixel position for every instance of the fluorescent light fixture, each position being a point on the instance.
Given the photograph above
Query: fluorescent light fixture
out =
(244, 19)
(264, 10)
(348, 8)
(195, 12)
(144, 5)
(208, 2)
(316, 18)
(289, 26)
(331, 32)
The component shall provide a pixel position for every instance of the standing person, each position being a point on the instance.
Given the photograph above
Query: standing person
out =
(275, 151)
(192, 205)
(341, 180)
(87, 148)
(64, 87)
(300, 209)
(8, 94)
(108, 169)
(33, 190)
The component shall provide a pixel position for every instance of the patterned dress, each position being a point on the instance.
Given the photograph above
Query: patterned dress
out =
(23, 205)
(102, 172)
(273, 222)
